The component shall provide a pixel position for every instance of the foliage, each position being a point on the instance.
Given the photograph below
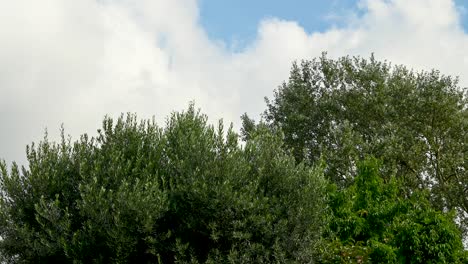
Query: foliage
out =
(190, 192)
(373, 224)
(343, 110)
(139, 193)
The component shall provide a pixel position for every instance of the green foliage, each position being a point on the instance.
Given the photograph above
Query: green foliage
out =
(416, 123)
(188, 192)
(138, 193)
(373, 224)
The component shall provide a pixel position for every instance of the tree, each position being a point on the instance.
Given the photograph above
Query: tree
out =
(416, 123)
(139, 193)
(372, 223)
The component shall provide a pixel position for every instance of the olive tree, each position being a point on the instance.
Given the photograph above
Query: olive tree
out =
(140, 193)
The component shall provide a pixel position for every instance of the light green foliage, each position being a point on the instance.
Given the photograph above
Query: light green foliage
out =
(416, 123)
(138, 193)
(372, 223)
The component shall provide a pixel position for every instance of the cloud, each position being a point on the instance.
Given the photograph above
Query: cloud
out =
(72, 62)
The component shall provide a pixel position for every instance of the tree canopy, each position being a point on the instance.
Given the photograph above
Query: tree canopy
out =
(356, 161)
(138, 193)
(346, 109)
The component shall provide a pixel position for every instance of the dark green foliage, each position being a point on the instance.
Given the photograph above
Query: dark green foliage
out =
(190, 193)
(372, 223)
(416, 123)
(248, 127)
(138, 193)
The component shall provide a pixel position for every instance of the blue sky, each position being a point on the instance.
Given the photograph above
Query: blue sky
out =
(236, 21)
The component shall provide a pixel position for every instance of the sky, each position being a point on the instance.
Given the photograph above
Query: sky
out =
(73, 62)
(235, 21)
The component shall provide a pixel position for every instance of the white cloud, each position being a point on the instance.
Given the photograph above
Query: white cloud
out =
(75, 61)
